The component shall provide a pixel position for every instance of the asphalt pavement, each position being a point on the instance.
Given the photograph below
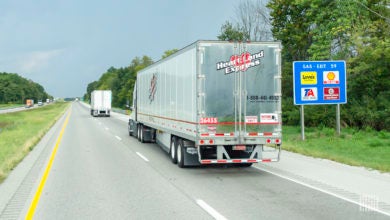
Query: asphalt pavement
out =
(99, 172)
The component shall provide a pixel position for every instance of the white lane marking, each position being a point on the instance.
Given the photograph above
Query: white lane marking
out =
(210, 210)
(142, 156)
(106, 128)
(325, 191)
(117, 137)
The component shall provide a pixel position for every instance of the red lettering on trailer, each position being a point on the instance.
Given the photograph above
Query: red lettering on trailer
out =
(208, 121)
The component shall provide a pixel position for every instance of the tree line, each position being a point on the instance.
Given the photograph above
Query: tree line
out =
(15, 89)
(121, 80)
(310, 30)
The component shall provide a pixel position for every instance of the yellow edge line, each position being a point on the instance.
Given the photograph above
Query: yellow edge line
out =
(37, 196)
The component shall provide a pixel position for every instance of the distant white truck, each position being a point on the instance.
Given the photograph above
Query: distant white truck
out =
(212, 102)
(101, 103)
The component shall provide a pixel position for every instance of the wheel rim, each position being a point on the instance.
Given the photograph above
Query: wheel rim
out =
(172, 150)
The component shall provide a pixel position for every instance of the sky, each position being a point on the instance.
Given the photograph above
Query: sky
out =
(66, 44)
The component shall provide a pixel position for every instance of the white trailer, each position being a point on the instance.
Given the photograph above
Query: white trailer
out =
(101, 103)
(213, 102)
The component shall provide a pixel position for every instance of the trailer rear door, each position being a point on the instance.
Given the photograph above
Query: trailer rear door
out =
(240, 89)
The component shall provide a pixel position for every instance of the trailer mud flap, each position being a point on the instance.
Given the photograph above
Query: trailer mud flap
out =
(190, 154)
(191, 157)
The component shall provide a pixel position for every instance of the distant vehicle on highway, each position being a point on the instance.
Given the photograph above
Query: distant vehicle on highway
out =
(101, 103)
(40, 103)
(29, 103)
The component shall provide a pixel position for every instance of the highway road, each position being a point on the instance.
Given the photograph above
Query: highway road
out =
(16, 109)
(100, 172)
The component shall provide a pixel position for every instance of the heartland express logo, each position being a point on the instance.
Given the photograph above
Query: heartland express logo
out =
(153, 87)
(240, 62)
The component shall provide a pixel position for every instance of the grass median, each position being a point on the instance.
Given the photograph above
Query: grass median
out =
(4, 106)
(21, 131)
(367, 148)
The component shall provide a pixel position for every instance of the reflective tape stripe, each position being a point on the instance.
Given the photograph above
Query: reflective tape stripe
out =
(237, 161)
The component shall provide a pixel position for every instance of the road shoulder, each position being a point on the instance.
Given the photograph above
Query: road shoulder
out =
(18, 188)
(357, 184)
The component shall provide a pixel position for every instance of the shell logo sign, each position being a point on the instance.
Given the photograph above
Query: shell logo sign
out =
(331, 77)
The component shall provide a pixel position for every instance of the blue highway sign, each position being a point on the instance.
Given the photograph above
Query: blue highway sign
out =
(319, 82)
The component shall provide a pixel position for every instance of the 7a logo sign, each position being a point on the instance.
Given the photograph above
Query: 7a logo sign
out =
(309, 94)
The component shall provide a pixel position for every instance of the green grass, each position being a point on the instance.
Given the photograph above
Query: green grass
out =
(10, 105)
(21, 131)
(365, 148)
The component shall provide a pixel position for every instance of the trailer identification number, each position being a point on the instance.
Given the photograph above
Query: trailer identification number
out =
(208, 120)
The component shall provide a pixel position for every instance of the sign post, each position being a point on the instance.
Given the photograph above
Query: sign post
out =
(320, 83)
(338, 119)
(302, 122)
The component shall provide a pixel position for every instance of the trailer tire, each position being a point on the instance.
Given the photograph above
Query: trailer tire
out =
(180, 153)
(141, 133)
(130, 132)
(173, 150)
(138, 132)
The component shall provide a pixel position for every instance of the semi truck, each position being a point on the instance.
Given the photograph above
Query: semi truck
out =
(101, 103)
(212, 102)
(29, 103)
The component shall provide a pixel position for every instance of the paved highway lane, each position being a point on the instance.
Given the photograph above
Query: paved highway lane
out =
(96, 176)
(99, 172)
